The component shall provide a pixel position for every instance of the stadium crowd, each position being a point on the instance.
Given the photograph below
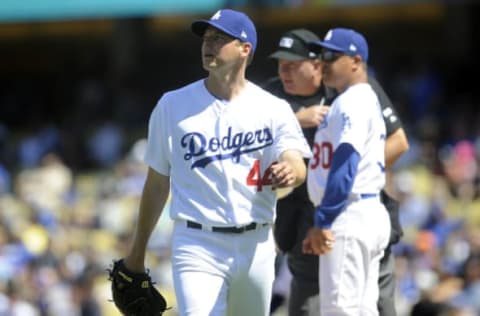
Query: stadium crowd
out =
(67, 203)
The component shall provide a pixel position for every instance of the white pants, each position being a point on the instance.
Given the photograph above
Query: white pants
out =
(348, 275)
(220, 274)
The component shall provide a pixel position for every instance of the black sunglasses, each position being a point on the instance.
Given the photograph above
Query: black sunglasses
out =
(329, 56)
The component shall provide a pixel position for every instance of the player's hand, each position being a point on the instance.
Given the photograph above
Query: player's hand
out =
(283, 175)
(311, 116)
(318, 241)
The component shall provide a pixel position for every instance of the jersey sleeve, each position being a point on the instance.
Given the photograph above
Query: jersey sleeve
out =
(157, 153)
(339, 185)
(390, 116)
(289, 134)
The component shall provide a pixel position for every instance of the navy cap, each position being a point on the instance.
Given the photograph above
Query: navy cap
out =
(293, 45)
(343, 40)
(234, 23)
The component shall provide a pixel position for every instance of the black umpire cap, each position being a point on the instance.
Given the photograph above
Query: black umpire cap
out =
(293, 45)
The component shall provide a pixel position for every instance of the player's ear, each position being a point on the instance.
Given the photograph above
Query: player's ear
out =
(357, 61)
(247, 48)
(246, 51)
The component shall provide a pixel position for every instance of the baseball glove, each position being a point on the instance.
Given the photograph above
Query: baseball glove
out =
(134, 293)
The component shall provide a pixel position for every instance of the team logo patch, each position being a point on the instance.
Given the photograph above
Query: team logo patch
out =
(286, 42)
(387, 111)
(346, 123)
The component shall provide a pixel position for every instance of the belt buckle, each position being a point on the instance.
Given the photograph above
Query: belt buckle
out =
(239, 229)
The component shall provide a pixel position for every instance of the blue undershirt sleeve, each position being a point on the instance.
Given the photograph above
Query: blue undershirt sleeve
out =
(339, 185)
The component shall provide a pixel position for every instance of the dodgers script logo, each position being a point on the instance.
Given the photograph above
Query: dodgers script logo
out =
(220, 148)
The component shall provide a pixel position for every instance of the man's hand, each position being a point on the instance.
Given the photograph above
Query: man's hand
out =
(289, 171)
(311, 116)
(283, 175)
(318, 241)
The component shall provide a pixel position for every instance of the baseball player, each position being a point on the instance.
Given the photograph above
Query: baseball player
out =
(346, 174)
(222, 145)
(299, 82)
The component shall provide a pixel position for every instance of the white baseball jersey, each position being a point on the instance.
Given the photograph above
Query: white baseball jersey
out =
(218, 153)
(354, 118)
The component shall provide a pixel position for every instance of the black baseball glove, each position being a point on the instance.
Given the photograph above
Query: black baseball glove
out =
(134, 293)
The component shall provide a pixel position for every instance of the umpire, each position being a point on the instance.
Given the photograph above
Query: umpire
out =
(299, 82)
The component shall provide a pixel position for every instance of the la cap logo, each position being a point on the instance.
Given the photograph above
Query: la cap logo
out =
(216, 16)
(328, 36)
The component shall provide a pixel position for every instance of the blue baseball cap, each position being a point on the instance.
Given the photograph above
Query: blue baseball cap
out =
(343, 40)
(234, 23)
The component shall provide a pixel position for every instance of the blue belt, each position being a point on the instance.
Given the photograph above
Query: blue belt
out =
(226, 229)
(368, 195)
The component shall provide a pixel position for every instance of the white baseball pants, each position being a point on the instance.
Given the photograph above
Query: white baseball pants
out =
(223, 274)
(348, 275)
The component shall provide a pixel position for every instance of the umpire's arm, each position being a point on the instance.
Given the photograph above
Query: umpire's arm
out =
(154, 196)
(395, 145)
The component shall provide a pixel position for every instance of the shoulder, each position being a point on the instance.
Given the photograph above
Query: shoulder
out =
(359, 99)
(179, 96)
(176, 99)
(374, 83)
(390, 116)
(383, 98)
(261, 92)
(195, 86)
(263, 100)
(359, 93)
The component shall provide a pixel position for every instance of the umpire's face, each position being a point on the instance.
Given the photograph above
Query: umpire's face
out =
(300, 77)
(221, 51)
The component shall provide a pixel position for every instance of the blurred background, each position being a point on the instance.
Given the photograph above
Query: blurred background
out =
(79, 78)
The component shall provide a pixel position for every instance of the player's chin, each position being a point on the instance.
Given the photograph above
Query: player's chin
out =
(289, 88)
